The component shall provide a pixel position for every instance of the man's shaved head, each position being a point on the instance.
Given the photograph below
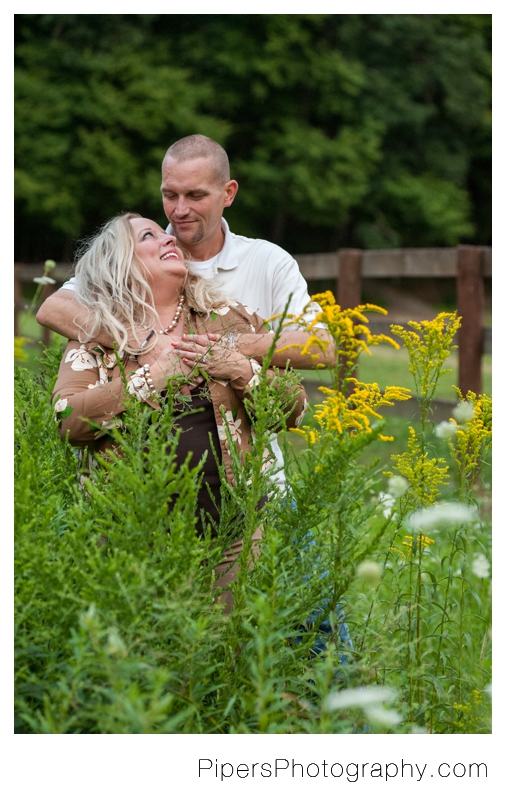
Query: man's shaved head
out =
(198, 146)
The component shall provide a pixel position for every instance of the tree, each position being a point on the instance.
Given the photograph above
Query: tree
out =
(343, 130)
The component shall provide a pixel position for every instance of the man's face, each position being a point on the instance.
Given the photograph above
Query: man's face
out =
(193, 201)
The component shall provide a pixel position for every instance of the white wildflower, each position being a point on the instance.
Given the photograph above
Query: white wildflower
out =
(388, 502)
(44, 280)
(88, 618)
(418, 729)
(386, 717)
(463, 412)
(441, 515)
(370, 572)
(49, 265)
(115, 644)
(445, 430)
(397, 486)
(363, 697)
(480, 566)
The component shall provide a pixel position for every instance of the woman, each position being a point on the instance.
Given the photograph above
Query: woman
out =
(135, 279)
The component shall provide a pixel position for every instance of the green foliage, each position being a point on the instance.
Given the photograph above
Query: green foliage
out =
(117, 629)
(369, 130)
(117, 625)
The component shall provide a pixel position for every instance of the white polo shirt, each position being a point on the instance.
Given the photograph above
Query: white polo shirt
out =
(258, 274)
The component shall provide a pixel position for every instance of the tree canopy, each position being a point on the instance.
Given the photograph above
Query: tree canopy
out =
(366, 130)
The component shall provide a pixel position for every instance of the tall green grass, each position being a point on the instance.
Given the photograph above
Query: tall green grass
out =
(117, 625)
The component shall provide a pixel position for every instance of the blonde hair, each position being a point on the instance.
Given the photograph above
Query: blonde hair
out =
(110, 282)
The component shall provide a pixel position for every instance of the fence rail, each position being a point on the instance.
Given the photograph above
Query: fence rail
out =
(468, 264)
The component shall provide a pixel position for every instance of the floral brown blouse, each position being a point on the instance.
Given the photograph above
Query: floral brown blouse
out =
(90, 388)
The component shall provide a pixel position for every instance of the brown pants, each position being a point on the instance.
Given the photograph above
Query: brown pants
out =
(229, 567)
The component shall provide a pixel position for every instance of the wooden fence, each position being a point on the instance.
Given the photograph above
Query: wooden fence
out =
(469, 265)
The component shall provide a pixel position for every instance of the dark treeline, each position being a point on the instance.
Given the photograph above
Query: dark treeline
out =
(343, 130)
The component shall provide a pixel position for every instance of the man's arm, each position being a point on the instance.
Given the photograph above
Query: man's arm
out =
(256, 345)
(62, 313)
(288, 347)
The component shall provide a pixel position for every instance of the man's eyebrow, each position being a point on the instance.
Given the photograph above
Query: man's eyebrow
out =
(195, 190)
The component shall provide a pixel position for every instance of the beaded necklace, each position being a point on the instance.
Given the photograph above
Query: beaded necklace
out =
(170, 327)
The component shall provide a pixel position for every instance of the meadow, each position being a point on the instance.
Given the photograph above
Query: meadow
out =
(368, 610)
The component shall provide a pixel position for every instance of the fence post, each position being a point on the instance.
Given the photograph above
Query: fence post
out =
(349, 283)
(470, 306)
(46, 333)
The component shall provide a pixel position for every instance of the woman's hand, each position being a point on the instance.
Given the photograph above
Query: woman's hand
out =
(215, 355)
(165, 363)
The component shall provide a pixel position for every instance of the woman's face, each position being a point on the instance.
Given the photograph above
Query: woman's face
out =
(157, 249)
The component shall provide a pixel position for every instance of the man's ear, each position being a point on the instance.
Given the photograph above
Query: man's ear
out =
(231, 188)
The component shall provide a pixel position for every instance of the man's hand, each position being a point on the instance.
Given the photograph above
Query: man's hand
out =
(216, 354)
(288, 348)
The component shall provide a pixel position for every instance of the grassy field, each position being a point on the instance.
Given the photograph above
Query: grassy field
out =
(387, 366)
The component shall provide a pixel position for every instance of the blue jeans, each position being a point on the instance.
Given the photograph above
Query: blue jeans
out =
(325, 630)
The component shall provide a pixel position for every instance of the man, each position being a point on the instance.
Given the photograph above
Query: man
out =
(196, 187)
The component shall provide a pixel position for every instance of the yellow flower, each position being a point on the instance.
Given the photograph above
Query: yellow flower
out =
(477, 697)
(311, 436)
(424, 474)
(348, 328)
(350, 405)
(20, 353)
(473, 438)
(428, 346)
(415, 545)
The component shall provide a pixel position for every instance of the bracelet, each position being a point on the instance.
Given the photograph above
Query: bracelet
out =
(149, 380)
(141, 384)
